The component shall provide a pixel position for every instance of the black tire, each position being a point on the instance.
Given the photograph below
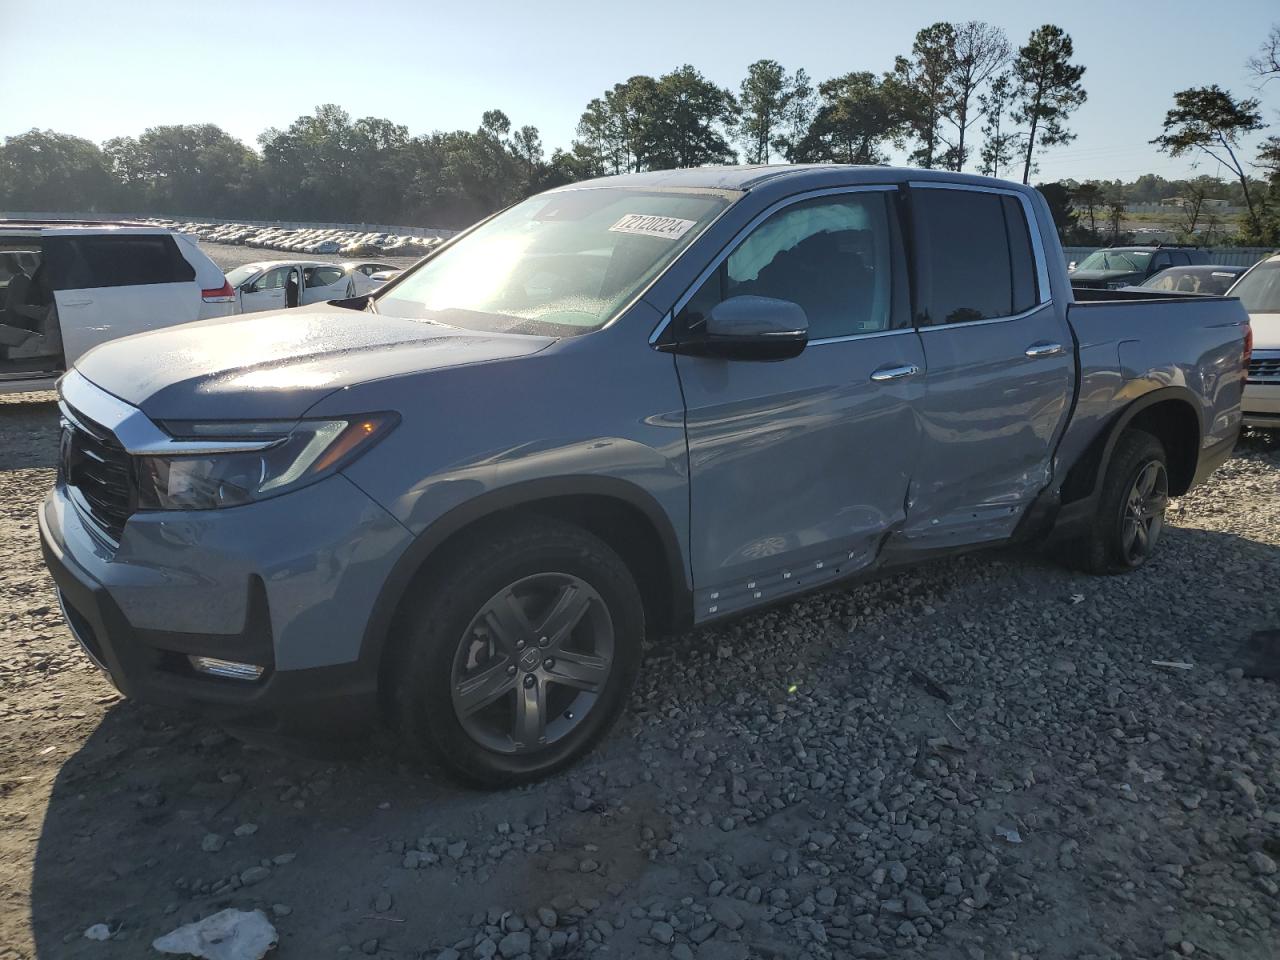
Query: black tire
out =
(1115, 542)
(443, 630)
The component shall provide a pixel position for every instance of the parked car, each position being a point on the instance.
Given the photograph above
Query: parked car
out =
(1212, 280)
(382, 276)
(1259, 292)
(1116, 267)
(65, 288)
(266, 285)
(467, 504)
(367, 274)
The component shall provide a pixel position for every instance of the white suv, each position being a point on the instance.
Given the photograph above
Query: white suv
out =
(64, 289)
(1259, 291)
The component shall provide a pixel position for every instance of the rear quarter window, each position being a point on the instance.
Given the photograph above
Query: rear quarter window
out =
(78, 263)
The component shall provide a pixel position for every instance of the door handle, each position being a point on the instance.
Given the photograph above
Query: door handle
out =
(1038, 351)
(76, 303)
(885, 374)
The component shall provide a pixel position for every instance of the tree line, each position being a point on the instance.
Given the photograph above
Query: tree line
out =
(963, 98)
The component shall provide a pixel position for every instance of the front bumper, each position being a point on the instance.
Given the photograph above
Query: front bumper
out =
(1261, 405)
(287, 584)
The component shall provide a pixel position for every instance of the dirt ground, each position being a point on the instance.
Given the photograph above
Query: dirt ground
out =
(780, 787)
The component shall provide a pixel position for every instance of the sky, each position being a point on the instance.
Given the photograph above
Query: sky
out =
(100, 69)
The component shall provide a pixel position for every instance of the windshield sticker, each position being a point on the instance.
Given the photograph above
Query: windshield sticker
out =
(668, 228)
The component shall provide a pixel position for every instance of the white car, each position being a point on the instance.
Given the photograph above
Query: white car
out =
(1259, 291)
(65, 289)
(382, 276)
(365, 273)
(274, 284)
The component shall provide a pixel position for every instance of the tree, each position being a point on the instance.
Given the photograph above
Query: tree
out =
(197, 169)
(1115, 216)
(1194, 196)
(770, 102)
(1048, 91)
(924, 82)
(800, 112)
(42, 170)
(859, 113)
(1058, 198)
(979, 52)
(680, 119)
(688, 121)
(613, 127)
(1209, 120)
(1000, 143)
(763, 96)
(1090, 197)
(1265, 65)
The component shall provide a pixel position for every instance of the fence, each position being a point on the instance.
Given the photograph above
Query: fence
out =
(1227, 256)
(289, 224)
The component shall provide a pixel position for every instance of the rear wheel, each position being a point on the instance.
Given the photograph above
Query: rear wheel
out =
(1130, 516)
(522, 655)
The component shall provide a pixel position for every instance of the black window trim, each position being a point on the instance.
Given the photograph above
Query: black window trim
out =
(1043, 293)
(737, 239)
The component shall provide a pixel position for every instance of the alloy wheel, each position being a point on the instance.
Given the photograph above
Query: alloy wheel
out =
(1143, 516)
(532, 663)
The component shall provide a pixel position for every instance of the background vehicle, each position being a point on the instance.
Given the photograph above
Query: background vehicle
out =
(66, 288)
(265, 285)
(615, 458)
(382, 276)
(1116, 267)
(365, 273)
(1212, 280)
(1259, 292)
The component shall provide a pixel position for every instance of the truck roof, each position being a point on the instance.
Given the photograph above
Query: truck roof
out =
(744, 177)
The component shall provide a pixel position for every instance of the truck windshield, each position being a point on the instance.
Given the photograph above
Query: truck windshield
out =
(1259, 289)
(1130, 261)
(559, 264)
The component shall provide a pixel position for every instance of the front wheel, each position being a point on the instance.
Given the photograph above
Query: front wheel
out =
(1131, 508)
(521, 655)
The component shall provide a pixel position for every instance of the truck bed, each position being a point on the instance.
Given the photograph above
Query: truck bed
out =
(1131, 344)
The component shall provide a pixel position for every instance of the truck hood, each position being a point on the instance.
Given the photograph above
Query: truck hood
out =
(1102, 276)
(276, 365)
(1266, 330)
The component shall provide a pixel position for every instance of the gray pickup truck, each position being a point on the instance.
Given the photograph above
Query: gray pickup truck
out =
(633, 404)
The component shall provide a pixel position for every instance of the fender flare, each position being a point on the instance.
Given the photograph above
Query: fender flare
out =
(1103, 445)
(521, 494)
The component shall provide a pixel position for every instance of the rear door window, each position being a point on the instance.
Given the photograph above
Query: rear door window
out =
(321, 276)
(962, 242)
(81, 263)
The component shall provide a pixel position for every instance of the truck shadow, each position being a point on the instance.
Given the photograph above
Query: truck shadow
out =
(155, 818)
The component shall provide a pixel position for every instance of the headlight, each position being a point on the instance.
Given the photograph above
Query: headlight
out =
(292, 454)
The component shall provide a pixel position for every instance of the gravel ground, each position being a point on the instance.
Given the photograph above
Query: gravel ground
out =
(780, 787)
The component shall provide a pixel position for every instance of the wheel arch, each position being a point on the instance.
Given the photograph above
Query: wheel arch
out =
(621, 514)
(1170, 414)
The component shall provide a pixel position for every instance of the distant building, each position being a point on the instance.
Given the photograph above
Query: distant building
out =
(1187, 202)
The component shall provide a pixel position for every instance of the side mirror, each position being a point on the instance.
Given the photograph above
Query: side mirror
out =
(246, 287)
(750, 328)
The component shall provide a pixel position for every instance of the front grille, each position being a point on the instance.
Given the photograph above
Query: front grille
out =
(96, 466)
(1264, 370)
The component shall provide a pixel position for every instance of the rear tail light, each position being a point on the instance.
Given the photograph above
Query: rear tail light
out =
(222, 294)
(1248, 344)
